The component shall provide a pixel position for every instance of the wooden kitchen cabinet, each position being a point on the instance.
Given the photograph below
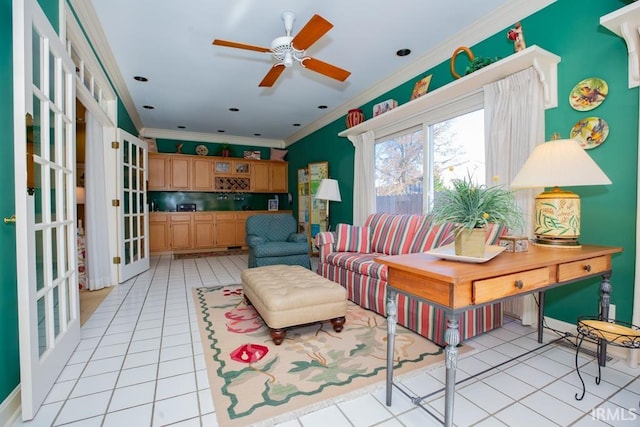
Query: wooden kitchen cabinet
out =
(278, 182)
(260, 177)
(181, 231)
(204, 231)
(158, 232)
(180, 172)
(226, 229)
(158, 172)
(201, 174)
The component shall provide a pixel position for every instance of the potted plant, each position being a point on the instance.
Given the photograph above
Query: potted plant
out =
(472, 207)
(225, 150)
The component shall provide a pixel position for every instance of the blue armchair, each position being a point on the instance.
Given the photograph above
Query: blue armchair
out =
(272, 239)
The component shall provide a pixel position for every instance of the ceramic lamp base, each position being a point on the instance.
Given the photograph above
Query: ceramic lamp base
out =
(557, 221)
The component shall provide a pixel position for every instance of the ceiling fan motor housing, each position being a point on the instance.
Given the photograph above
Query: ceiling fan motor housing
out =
(284, 52)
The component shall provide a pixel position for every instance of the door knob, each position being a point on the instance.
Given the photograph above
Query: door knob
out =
(10, 220)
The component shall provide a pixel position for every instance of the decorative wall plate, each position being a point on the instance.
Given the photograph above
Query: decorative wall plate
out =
(202, 150)
(590, 132)
(588, 94)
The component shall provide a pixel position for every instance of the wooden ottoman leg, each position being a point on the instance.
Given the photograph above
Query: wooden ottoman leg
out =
(338, 323)
(277, 335)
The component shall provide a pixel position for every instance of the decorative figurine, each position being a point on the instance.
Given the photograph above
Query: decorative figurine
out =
(179, 148)
(517, 36)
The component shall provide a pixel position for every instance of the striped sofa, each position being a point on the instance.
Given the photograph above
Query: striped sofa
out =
(346, 257)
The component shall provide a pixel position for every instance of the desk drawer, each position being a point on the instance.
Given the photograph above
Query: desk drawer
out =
(511, 284)
(586, 267)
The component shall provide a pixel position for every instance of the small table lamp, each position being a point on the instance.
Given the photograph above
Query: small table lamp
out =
(329, 191)
(561, 162)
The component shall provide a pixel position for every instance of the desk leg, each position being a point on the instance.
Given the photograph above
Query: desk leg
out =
(540, 316)
(452, 338)
(605, 300)
(392, 312)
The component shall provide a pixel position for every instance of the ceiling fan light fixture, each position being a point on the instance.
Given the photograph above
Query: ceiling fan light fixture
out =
(288, 59)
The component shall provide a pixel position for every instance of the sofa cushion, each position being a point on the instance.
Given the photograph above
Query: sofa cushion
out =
(430, 235)
(276, 249)
(350, 238)
(392, 234)
(363, 264)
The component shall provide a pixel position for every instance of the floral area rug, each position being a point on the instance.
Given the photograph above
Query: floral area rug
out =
(254, 382)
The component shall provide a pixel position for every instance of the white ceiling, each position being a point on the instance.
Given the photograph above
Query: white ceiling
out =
(193, 83)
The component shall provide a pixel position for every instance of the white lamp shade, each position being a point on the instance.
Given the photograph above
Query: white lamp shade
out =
(328, 190)
(559, 163)
(80, 196)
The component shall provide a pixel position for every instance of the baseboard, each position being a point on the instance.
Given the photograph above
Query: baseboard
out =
(613, 351)
(10, 408)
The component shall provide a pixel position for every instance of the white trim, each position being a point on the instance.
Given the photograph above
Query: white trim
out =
(10, 407)
(96, 37)
(210, 137)
(545, 63)
(625, 23)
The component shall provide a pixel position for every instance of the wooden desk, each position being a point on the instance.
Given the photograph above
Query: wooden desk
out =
(457, 286)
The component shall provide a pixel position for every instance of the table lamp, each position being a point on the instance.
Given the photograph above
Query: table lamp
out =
(329, 191)
(559, 162)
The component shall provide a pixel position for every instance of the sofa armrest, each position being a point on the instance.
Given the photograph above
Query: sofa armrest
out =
(254, 240)
(324, 241)
(297, 238)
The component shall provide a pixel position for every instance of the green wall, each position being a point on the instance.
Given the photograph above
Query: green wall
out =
(9, 356)
(608, 212)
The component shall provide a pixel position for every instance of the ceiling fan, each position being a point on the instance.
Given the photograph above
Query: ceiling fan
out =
(289, 49)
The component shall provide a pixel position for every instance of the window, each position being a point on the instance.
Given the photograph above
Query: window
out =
(411, 166)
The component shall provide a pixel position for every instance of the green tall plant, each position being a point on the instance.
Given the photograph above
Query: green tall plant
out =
(474, 206)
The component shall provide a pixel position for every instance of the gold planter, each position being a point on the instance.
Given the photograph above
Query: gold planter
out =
(470, 242)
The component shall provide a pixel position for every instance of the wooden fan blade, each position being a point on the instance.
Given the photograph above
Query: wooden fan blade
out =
(272, 75)
(311, 32)
(226, 43)
(326, 69)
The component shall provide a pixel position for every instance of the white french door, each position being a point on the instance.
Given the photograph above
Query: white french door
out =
(133, 212)
(44, 146)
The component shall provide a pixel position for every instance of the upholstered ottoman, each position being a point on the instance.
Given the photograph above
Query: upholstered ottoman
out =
(291, 295)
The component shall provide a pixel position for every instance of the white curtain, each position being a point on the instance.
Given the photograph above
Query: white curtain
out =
(98, 269)
(364, 189)
(514, 125)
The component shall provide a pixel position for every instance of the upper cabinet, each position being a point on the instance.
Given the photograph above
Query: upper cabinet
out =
(625, 22)
(179, 172)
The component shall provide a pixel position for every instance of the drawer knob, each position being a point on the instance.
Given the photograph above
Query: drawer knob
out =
(518, 284)
(587, 268)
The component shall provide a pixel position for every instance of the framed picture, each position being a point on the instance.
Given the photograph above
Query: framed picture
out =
(273, 204)
(421, 87)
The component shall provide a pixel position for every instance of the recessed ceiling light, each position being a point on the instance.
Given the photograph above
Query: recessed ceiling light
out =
(296, 124)
(182, 127)
(257, 134)
(234, 109)
(403, 52)
(148, 107)
(141, 79)
(221, 131)
(322, 107)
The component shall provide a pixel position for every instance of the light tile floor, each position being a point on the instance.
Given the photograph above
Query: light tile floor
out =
(140, 363)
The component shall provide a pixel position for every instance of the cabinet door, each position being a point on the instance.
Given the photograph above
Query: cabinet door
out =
(225, 229)
(203, 231)
(180, 168)
(158, 173)
(241, 228)
(279, 179)
(158, 232)
(181, 231)
(260, 177)
(242, 168)
(201, 175)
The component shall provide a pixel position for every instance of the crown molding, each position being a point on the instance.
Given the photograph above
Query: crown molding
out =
(210, 137)
(92, 28)
(512, 12)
